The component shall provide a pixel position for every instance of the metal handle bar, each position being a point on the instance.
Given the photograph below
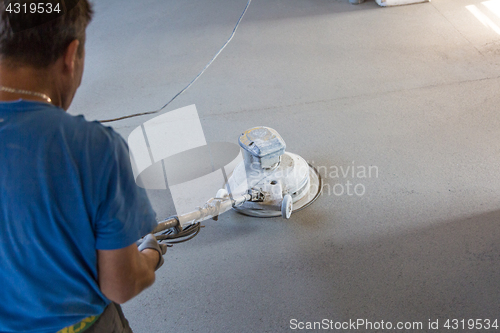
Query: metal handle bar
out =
(212, 208)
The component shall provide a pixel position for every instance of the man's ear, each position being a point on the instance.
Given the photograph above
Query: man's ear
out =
(70, 56)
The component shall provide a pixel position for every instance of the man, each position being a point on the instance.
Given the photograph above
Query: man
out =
(70, 211)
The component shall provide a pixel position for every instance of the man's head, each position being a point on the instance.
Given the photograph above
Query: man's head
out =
(56, 43)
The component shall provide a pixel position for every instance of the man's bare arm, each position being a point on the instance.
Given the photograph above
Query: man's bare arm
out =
(124, 273)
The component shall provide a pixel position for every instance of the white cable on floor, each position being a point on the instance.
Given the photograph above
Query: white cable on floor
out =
(190, 83)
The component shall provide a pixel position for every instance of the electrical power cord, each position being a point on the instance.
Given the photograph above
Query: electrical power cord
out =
(193, 81)
(187, 233)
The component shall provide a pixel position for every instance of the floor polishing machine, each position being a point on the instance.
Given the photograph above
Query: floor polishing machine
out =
(269, 182)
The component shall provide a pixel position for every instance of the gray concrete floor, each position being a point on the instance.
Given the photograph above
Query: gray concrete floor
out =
(411, 90)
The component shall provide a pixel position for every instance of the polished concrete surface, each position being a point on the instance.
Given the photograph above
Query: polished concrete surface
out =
(410, 91)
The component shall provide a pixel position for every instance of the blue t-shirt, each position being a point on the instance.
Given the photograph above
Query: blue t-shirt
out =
(66, 189)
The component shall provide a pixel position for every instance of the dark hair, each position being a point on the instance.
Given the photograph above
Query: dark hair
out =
(39, 39)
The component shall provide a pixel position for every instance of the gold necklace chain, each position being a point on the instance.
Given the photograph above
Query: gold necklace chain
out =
(26, 92)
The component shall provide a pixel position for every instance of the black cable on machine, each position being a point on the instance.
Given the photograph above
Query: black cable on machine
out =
(186, 234)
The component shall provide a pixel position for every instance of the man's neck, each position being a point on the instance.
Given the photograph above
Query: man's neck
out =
(28, 79)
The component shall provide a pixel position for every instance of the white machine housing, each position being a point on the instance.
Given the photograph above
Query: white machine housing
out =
(279, 180)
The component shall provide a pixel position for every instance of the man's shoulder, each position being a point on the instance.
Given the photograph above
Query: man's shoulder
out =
(46, 118)
(82, 137)
(88, 132)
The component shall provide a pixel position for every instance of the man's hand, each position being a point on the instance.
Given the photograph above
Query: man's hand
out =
(150, 242)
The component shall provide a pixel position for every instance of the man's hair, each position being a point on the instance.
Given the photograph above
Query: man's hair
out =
(28, 39)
